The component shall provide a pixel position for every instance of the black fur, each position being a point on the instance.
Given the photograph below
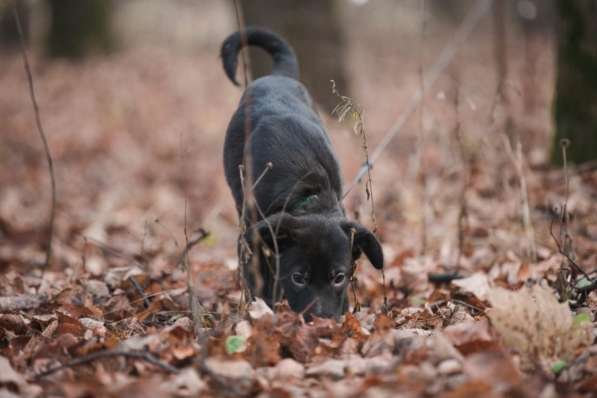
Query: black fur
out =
(300, 196)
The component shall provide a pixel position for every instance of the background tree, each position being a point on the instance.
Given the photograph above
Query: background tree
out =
(314, 30)
(9, 34)
(79, 26)
(576, 84)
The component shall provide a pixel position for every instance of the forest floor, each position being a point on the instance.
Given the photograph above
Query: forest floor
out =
(136, 140)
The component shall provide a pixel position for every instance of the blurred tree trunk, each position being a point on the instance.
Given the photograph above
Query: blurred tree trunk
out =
(576, 86)
(79, 26)
(9, 34)
(313, 28)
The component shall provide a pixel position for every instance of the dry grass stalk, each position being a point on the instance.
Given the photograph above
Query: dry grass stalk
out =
(200, 314)
(42, 135)
(518, 162)
(421, 174)
(466, 169)
(348, 108)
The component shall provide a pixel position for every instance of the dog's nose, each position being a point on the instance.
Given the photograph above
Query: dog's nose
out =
(320, 311)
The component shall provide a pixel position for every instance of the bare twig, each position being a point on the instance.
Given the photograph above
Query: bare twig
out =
(273, 234)
(464, 158)
(42, 135)
(500, 57)
(199, 313)
(345, 108)
(139, 290)
(87, 359)
(465, 304)
(246, 172)
(245, 60)
(564, 243)
(563, 252)
(189, 244)
(353, 277)
(168, 231)
(245, 251)
(308, 307)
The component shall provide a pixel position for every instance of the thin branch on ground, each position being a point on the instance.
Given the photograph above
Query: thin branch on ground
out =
(87, 359)
(140, 290)
(42, 135)
(465, 304)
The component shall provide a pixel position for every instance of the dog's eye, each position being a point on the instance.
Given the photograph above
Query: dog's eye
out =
(339, 279)
(299, 279)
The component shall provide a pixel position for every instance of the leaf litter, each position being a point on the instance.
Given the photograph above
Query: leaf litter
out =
(111, 316)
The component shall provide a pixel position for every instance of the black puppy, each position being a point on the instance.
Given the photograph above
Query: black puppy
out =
(277, 135)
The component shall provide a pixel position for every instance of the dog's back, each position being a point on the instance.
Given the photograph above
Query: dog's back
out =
(282, 128)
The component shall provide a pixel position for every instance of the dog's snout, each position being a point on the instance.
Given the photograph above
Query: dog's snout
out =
(317, 308)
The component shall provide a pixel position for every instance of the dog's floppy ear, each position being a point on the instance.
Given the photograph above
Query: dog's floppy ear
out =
(365, 241)
(280, 225)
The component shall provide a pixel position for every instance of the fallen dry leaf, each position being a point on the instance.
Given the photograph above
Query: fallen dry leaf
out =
(477, 284)
(136, 138)
(533, 323)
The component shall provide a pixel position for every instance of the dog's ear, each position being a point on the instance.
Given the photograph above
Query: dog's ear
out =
(364, 241)
(282, 226)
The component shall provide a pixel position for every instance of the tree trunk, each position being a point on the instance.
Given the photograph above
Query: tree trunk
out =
(78, 27)
(313, 29)
(9, 34)
(576, 86)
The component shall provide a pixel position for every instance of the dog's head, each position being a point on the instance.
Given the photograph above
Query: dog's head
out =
(316, 260)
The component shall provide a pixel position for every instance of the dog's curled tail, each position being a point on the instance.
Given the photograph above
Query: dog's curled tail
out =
(285, 63)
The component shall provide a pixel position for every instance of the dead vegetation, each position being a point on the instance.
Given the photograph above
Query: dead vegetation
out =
(112, 314)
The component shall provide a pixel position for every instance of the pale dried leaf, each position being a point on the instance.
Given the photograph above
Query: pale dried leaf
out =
(477, 284)
(532, 322)
(258, 308)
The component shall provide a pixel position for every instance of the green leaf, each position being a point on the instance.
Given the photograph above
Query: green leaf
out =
(558, 366)
(235, 344)
(582, 282)
(581, 319)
